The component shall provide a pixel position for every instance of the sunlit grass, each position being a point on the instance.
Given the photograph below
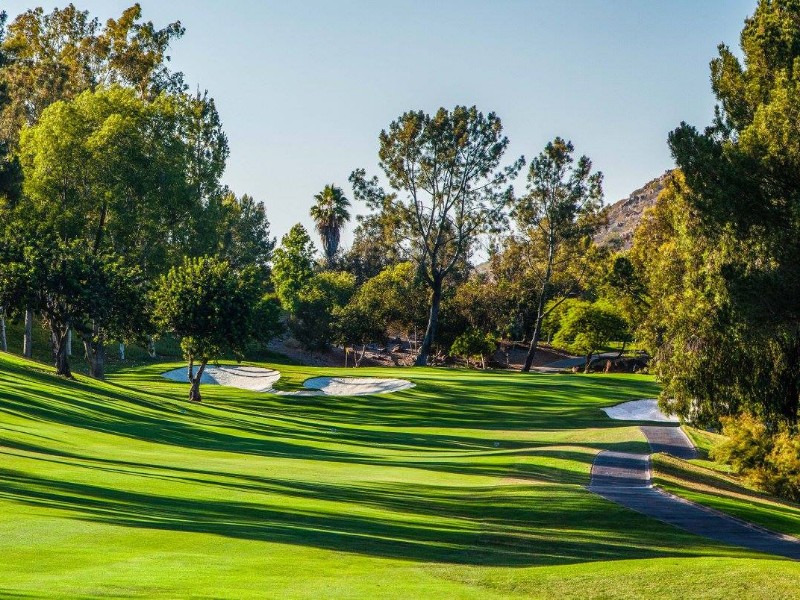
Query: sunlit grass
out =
(468, 485)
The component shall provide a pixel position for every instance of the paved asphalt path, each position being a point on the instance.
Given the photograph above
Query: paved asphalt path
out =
(625, 478)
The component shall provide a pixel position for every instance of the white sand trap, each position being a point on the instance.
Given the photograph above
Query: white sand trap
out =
(639, 410)
(354, 386)
(257, 379)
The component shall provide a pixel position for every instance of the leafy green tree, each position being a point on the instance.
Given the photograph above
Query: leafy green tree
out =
(485, 304)
(447, 168)
(396, 297)
(355, 325)
(100, 165)
(514, 273)
(686, 326)
(312, 319)
(741, 185)
(330, 213)
(211, 308)
(73, 288)
(558, 216)
(292, 266)
(10, 175)
(474, 344)
(97, 170)
(237, 230)
(585, 327)
(58, 55)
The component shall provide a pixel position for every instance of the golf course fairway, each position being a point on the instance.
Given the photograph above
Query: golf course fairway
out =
(469, 485)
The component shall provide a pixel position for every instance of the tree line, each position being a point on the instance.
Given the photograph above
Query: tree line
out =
(112, 207)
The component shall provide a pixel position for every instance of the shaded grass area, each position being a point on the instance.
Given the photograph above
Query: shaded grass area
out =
(468, 485)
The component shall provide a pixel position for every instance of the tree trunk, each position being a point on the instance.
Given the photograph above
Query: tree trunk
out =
(27, 341)
(588, 362)
(791, 402)
(194, 390)
(96, 354)
(190, 370)
(60, 359)
(151, 347)
(121, 351)
(360, 357)
(433, 321)
(537, 329)
(69, 342)
(3, 340)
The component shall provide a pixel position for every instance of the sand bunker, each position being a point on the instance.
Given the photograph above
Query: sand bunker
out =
(255, 379)
(355, 386)
(639, 410)
(263, 380)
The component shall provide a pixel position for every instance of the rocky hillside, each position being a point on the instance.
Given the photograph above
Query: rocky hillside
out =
(624, 215)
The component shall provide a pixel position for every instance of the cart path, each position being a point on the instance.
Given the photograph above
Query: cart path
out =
(625, 478)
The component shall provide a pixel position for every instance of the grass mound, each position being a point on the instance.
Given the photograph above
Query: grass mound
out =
(468, 485)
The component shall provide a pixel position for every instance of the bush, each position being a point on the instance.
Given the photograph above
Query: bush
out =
(767, 460)
(473, 344)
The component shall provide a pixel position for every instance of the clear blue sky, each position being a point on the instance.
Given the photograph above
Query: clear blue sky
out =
(304, 88)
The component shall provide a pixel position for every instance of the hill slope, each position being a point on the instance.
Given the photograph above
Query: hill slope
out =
(471, 485)
(624, 215)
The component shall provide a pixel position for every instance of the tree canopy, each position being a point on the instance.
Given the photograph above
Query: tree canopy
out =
(741, 183)
(557, 218)
(329, 213)
(450, 188)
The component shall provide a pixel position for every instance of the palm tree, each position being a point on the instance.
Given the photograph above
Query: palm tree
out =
(330, 214)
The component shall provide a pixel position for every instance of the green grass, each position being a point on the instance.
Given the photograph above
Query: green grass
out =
(711, 483)
(470, 485)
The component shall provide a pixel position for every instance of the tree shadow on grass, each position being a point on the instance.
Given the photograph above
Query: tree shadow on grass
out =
(553, 521)
(137, 414)
(530, 463)
(508, 526)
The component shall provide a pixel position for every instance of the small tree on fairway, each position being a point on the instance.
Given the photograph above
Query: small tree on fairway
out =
(210, 307)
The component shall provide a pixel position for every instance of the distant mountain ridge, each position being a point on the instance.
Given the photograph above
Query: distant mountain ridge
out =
(626, 214)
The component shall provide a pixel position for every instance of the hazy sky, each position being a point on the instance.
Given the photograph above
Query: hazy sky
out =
(304, 88)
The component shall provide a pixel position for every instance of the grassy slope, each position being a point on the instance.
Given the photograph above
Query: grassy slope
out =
(469, 485)
(710, 483)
